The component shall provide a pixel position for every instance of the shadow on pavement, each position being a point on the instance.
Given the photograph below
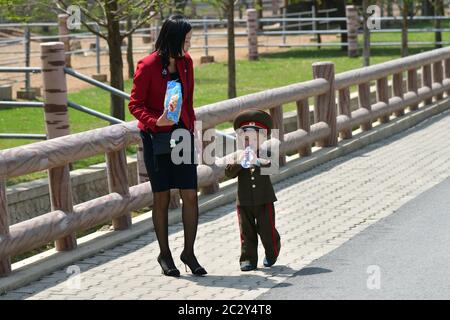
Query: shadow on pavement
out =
(311, 271)
(246, 281)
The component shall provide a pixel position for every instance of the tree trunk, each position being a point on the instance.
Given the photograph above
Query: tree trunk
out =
(115, 62)
(366, 48)
(231, 51)
(130, 59)
(260, 8)
(405, 29)
(390, 13)
(427, 8)
(439, 12)
(318, 36)
(343, 24)
(240, 7)
(161, 13)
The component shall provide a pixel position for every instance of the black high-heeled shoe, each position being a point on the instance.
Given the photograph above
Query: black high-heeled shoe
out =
(168, 267)
(193, 264)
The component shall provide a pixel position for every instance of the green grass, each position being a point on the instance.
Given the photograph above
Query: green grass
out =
(272, 70)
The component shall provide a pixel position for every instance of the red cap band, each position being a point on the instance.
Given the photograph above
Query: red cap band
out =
(254, 124)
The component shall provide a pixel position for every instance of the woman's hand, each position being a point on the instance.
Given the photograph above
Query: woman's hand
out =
(163, 121)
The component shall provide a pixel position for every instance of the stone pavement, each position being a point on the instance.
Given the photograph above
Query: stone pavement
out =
(317, 211)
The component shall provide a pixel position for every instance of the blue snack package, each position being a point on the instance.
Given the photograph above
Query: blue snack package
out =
(173, 100)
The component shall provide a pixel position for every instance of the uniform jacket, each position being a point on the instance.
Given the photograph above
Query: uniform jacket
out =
(149, 89)
(253, 188)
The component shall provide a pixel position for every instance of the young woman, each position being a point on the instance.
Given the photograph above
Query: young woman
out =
(169, 61)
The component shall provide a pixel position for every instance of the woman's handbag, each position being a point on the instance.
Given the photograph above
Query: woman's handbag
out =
(162, 142)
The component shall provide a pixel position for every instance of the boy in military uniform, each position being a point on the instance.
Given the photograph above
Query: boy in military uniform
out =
(255, 197)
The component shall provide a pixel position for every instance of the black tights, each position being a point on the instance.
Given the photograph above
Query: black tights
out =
(190, 220)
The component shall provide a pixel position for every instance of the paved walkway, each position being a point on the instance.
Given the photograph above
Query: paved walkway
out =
(317, 212)
(404, 256)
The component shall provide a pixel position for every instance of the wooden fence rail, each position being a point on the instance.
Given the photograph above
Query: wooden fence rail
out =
(331, 95)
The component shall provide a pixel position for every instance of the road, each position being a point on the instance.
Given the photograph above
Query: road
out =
(403, 256)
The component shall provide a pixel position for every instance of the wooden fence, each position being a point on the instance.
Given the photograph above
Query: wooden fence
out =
(331, 119)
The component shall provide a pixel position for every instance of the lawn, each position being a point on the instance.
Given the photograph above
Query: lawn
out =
(272, 70)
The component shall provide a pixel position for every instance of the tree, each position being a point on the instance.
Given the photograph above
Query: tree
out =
(130, 59)
(366, 30)
(340, 6)
(366, 47)
(108, 14)
(226, 8)
(27, 10)
(408, 9)
(439, 11)
(229, 8)
(259, 8)
(180, 5)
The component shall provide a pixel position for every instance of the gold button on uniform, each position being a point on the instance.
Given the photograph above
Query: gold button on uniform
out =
(253, 178)
(253, 186)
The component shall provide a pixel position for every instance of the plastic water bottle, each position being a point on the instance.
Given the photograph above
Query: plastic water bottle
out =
(248, 157)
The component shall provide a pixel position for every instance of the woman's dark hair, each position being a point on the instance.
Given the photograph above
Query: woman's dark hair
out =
(171, 38)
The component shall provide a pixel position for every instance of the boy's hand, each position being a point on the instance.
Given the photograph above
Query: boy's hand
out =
(252, 155)
(263, 162)
(239, 156)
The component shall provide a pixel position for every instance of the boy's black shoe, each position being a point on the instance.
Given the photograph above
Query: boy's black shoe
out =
(247, 266)
(269, 262)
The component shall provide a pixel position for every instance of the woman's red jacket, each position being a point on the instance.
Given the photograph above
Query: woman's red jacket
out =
(149, 89)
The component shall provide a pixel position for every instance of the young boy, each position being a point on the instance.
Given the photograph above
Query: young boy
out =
(255, 197)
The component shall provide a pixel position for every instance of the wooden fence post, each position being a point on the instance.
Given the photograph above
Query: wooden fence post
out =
(383, 95)
(412, 85)
(277, 117)
(57, 124)
(325, 104)
(447, 72)
(438, 76)
(426, 80)
(352, 30)
(5, 262)
(252, 29)
(364, 102)
(344, 109)
(303, 123)
(397, 87)
(63, 32)
(117, 171)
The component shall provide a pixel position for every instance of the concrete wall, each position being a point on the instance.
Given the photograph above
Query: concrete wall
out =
(30, 199)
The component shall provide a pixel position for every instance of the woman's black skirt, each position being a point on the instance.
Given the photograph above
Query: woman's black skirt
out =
(164, 174)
